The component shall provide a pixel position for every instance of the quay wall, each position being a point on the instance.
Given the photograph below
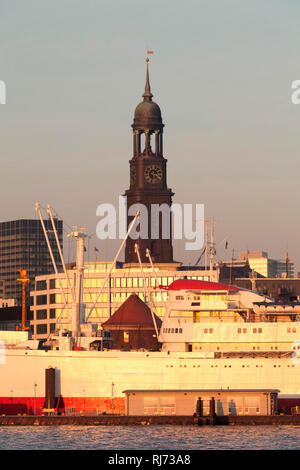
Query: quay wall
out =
(114, 420)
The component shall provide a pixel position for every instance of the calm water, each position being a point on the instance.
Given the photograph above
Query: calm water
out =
(149, 437)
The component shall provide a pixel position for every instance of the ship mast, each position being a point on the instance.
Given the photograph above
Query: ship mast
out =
(78, 306)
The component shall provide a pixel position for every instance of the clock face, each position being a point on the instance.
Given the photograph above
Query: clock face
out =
(153, 174)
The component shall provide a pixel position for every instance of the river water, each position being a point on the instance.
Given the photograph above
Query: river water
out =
(150, 437)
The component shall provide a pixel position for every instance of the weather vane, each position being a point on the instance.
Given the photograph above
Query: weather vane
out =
(149, 52)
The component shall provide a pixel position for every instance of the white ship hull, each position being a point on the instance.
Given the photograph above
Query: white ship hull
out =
(96, 381)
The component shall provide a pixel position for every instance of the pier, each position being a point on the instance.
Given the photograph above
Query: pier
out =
(114, 420)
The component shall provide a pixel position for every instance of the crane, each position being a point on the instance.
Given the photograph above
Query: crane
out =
(25, 280)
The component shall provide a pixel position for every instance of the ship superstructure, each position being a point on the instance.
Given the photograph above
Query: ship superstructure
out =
(227, 320)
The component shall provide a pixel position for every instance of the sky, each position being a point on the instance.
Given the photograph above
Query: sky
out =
(221, 73)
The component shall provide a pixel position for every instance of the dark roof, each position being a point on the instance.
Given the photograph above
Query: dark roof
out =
(133, 312)
(147, 114)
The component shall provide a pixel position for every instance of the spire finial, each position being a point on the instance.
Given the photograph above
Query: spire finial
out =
(147, 94)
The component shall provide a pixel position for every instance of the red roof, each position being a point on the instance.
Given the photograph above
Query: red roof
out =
(193, 284)
(133, 312)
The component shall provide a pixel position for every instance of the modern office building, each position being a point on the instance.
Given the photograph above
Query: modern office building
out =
(260, 262)
(2, 289)
(23, 246)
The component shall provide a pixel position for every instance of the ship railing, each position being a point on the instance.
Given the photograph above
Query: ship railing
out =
(253, 354)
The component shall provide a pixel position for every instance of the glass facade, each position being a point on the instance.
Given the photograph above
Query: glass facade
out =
(23, 245)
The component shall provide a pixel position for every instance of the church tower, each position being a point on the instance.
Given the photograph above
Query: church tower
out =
(148, 180)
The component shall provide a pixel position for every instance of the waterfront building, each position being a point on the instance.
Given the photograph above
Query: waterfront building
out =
(230, 402)
(51, 310)
(260, 262)
(23, 246)
(256, 264)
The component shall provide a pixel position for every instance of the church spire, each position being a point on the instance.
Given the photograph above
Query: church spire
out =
(147, 93)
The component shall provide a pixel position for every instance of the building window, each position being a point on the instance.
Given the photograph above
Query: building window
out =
(41, 285)
(41, 314)
(126, 337)
(41, 329)
(41, 299)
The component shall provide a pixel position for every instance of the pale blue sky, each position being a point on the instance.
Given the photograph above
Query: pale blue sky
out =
(221, 73)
